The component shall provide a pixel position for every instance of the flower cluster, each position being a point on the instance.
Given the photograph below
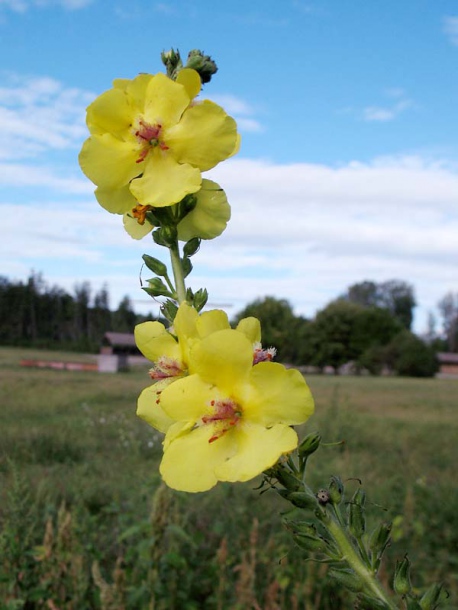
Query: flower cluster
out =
(150, 140)
(226, 415)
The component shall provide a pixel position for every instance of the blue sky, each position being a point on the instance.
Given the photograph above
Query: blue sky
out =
(349, 163)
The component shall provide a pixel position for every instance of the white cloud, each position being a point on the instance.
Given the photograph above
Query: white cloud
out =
(451, 29)
(38, 114)
(240, 110)
(391, 111)
(21, 6)
(303, 232)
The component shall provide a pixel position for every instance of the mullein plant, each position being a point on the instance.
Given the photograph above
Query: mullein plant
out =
(227, 410)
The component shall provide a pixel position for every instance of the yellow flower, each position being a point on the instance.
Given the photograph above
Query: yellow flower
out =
(207, 220)
(150, 140)
(232, 419)
(169, 350)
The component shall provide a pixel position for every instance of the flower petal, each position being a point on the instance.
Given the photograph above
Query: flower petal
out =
(110, 112)
(190, 80)
(210, 216)
(150, 410)
(189, 461)
(188, 399)
(224, 359)
(205, 136)
(211, 321)
(154, 341)
(258, 448)
(116, 201)
(251, 328)
(164, 181)
(134, 228)
(279, 396)
(165, 101)
(108, 162)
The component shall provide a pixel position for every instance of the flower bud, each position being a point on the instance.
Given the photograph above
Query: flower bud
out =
(200, 299)
(157, 288)
(371, 603)
(155, 265)
(347, 578)
(191, 246)
(401, 582)
(169, 310)
(431, 598)
(172, 61)
(378, 541)
(186, 265)
(336, 489)
(309, 445)
(203, 64)
(287, 479)
(303, 499)
(356, 520)
(314, 544)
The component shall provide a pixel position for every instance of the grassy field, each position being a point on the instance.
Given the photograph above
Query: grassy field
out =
(85, 523)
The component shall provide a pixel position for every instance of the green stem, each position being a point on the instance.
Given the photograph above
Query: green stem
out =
(180, 286)
(354, 561)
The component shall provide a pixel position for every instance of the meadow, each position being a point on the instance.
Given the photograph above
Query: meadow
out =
(85, 523)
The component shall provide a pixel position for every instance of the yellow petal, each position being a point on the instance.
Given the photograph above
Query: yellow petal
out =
(251, 328)
(164, 181)
(188, 399)
(190, 80)
(116, 201)
(136, 91)
(154, 341)
(150, 410)
(224, 359)
(134, 228)
(209, 217)
(110, 163)
(258, 448)
(165, 101)
(211, 321)
(279, 396)
(110, 112)
(205, 136)
(189, 461)
(185, 321)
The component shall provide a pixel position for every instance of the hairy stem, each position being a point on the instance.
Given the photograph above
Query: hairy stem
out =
(372, 584)
(180, 286)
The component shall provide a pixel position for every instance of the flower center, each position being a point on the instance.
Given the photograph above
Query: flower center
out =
(226, 414)
(166, 367)
(139, 212)
(263, 355)
(149, 136)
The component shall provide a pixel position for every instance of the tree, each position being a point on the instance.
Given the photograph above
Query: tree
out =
(124, 318)
(278, 324)
(448, 307)
(409, 356)
(394, 295)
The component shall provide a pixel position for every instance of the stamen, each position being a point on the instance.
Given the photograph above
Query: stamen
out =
(139, 212)
(263, 355)
(226, 415)
(166, 367)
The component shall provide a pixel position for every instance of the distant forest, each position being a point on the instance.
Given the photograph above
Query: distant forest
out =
(34, 314)
(369, 325)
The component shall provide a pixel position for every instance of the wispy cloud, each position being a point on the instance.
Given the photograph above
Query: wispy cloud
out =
(240, 110)
(451, 29)
(388, 112)
(21, 6)
(58, 116)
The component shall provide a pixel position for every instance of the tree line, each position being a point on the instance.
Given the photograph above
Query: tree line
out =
(34, 314)
(369, 325)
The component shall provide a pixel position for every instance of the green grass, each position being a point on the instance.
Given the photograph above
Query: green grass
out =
(71, 441)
